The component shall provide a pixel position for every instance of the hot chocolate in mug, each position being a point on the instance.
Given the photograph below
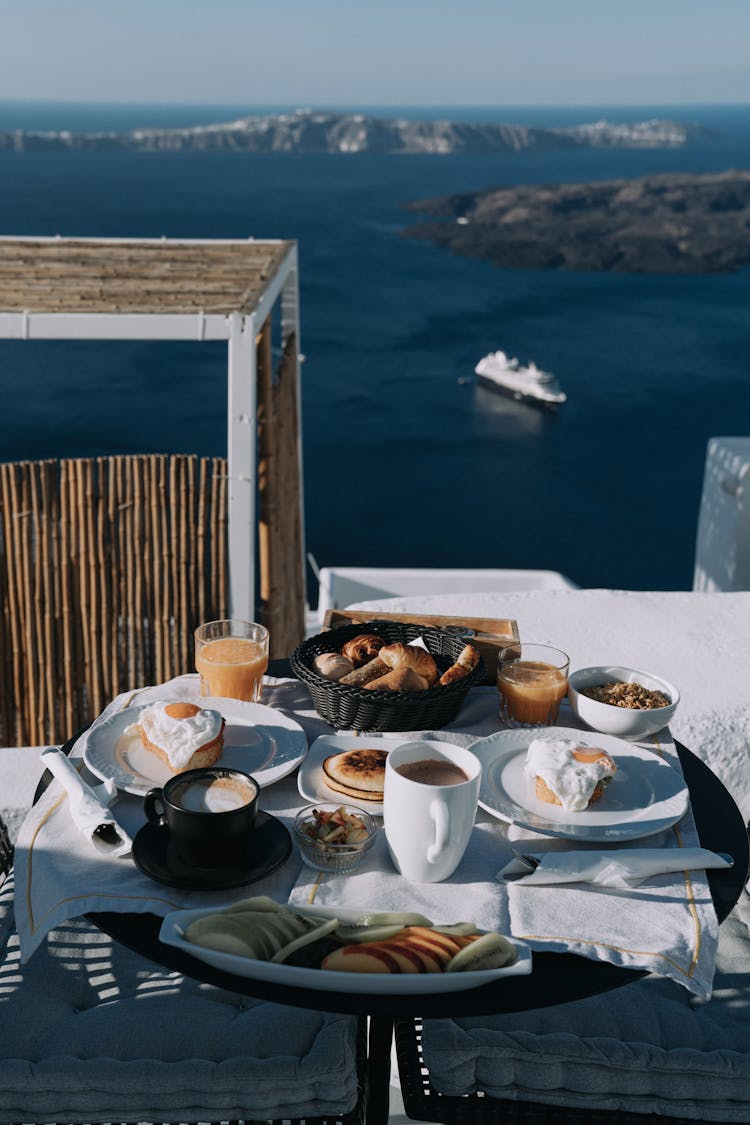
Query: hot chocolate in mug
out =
(429, 805)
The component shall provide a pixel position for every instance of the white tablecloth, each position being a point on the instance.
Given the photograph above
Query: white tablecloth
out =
(667, 925)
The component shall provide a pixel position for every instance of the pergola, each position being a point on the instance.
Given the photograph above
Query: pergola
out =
(170, 289)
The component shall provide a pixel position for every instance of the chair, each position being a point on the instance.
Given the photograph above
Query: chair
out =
(95, 1033)
(646, 1052)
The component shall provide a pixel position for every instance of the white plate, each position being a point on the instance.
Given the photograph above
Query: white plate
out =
(644, 797)
(311, 780)
(257, 739)
(173, 926)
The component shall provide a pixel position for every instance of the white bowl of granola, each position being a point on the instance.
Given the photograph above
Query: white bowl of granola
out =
(622, 701)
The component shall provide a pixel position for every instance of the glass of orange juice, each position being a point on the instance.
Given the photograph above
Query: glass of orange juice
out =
(231, 657)
(532, 681)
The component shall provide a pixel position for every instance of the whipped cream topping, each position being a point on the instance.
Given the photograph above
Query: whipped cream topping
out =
(179, 738)
(571, 780)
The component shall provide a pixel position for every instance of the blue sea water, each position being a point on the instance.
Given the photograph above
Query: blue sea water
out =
(407, 461)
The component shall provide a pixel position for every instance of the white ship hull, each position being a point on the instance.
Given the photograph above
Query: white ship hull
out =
(527, 384)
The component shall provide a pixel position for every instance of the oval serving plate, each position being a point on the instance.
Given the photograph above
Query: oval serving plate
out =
(392, 984)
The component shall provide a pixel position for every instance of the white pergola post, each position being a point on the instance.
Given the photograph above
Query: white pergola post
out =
(241, 464)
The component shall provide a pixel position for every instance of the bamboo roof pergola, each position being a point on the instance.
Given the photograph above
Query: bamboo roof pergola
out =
(171, 289)
(68, 276)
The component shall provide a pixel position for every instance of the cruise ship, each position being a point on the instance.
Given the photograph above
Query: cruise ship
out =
(509, 377)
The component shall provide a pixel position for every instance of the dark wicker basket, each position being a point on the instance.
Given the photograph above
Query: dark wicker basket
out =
(353, 708)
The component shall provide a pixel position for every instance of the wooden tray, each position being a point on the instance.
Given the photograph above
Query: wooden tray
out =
(492, 633)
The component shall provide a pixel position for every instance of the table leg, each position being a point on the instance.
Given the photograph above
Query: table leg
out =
(380, 1038)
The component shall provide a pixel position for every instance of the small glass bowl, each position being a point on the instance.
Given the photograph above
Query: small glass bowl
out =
(337, 858)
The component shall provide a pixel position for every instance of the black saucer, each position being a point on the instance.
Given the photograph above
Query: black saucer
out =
(155, 855)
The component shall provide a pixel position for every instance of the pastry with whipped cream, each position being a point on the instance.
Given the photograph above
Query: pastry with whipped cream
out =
(567, 773)
(184, 735)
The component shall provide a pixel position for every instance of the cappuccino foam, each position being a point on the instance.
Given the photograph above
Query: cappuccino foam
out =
(213, 794)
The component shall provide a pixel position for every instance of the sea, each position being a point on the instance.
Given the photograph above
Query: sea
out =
(407, 461)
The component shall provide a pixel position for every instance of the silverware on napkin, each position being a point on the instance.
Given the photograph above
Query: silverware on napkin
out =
(625, 867)
(89, 805)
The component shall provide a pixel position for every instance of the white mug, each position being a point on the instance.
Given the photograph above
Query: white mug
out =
(428, 821)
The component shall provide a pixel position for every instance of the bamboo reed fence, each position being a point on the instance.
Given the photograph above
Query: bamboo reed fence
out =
(108, 564)
(106, 567)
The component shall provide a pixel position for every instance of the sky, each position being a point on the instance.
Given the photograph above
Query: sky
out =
(381, 52)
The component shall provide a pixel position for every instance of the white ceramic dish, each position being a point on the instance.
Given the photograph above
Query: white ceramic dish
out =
(644, 797)
(623, 722)
(407, 984)
(257, 739)
(311, 780)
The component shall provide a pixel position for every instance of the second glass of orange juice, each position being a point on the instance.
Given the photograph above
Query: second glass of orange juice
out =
(532, 680)
(231, 657)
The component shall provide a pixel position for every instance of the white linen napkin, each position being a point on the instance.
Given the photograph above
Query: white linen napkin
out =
(89, 805)
(471, 894)
(622, 868)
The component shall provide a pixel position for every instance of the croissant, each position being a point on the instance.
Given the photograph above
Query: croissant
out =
(467, 660)
(410, 656)
(362, 648)
(398, 679)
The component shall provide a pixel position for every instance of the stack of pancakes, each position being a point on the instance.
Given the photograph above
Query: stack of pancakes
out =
(357, 773)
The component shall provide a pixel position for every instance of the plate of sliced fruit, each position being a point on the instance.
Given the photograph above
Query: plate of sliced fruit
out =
(319, 948)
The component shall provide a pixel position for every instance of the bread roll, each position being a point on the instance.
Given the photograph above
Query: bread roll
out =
(398, 679)
(466, 662)
(362, 648)
(332, 665)
(410, 656)
(360, 676)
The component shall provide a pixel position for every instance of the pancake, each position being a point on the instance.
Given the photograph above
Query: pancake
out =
(357, 773)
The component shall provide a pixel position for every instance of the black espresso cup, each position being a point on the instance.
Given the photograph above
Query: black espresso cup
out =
(210, 814)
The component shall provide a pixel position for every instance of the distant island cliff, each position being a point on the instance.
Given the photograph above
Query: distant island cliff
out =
(312, 131)
(674, 223)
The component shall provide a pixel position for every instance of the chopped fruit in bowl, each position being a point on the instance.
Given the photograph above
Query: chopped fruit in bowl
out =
(334, 837)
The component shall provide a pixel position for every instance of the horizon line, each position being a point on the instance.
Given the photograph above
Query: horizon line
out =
(320, 106)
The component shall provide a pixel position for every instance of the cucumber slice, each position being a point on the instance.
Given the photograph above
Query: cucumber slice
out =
(460, 929)
(259, 902)
(312, 935)
(226, 934)
(491, 951)
(368, 933)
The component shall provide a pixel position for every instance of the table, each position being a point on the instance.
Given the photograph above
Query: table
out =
(556, 978)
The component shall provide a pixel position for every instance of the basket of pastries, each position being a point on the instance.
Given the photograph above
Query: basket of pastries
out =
(373, 676)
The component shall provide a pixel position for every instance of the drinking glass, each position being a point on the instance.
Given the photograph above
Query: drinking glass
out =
(231, 657)
(532, 680)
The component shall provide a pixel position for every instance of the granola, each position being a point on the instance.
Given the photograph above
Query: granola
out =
(620, 694)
